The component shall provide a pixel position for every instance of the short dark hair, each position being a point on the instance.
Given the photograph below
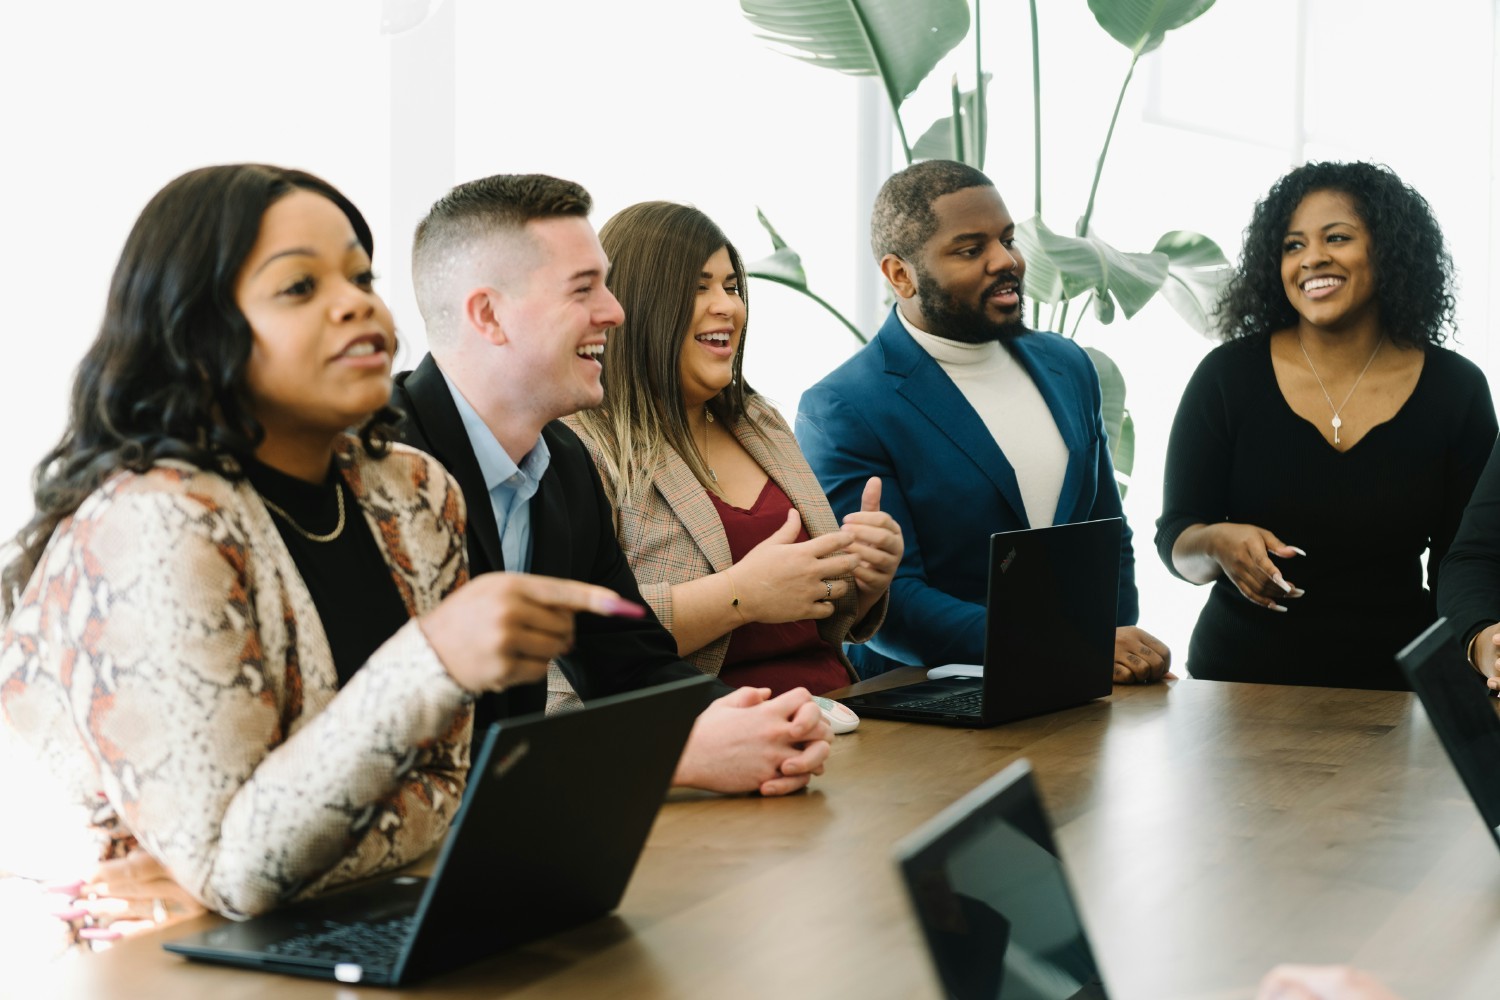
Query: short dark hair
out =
(500, 204)
(657, 250)
(503, 201)
(902, 219)
(165, 377)
(1413, 271)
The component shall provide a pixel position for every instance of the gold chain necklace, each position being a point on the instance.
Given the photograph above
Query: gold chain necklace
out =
(338, 529)
(707, 464)
(1337, 420)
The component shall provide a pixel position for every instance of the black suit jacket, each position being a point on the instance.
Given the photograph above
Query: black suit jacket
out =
(572, 536)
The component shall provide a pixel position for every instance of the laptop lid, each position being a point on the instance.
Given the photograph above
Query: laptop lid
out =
(989, 891)
(555, 816)
(1049, 631)
(1462, 712)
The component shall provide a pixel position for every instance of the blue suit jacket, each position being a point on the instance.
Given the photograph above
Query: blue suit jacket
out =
(891, 411)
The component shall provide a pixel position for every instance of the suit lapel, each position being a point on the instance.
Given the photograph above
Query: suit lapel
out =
(436, 421)
(551, 542)
(687, 498)
(922, 382)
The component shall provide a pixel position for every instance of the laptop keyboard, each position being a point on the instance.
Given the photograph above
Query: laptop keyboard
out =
(375, 944)
(963, 703)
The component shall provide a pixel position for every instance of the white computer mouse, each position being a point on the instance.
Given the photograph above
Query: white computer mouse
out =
(840, 717)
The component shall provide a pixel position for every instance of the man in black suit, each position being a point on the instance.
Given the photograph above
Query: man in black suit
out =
(509, 276)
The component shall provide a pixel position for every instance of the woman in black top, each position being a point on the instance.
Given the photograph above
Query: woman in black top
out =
(1330, 442)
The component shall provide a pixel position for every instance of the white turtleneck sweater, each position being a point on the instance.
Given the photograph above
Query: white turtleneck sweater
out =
(1001, 391)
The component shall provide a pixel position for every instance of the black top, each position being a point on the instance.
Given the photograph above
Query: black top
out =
(350, 583)
(1365, 516)
(572, 536)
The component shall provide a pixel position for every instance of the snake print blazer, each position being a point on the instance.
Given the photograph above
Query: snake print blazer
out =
(167, 662)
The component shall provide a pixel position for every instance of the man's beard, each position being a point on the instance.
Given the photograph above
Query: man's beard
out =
(953, 320)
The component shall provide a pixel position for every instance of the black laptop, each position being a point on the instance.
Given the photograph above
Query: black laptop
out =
(555, 816)
(1049, 633)
(1462, 711)
(990, 893)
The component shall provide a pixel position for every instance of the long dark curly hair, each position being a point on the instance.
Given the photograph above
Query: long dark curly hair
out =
(165, 378)
(1413, 271)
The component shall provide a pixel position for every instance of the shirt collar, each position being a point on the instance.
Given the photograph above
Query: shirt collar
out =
(494, 463)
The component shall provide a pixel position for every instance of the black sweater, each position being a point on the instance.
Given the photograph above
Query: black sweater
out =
(1365, 516)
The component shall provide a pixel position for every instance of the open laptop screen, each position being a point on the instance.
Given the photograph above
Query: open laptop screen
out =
(989, 891)
(1461, 712)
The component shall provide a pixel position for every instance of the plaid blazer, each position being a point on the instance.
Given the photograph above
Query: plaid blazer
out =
(674, 534)
(167, 663)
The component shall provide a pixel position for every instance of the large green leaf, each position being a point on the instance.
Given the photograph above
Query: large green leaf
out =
(1117, 420)
(1140, 25)
(784, 264)
(1197, 272)
(1064, 267)
(937, 142)
(899, 41)
(784, 267)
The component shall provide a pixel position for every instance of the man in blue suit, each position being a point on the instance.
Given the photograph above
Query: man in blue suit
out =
(974, 423)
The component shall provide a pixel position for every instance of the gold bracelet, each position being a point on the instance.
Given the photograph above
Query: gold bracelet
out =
(734, 597)
(1471, 651)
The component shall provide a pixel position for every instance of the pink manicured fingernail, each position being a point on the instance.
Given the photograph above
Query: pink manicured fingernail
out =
(99, 934)
(1296, 550)
(72, 914)
(1277, 607)
(64, 888)
(1286, 587)
(621, 608)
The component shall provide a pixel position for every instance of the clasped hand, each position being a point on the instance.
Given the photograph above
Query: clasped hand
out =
(784, 580)
(748, 741)
(1484, 655)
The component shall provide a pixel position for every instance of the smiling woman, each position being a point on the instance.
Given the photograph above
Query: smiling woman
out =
(237, 632)
(1331, 443)
(727, 530)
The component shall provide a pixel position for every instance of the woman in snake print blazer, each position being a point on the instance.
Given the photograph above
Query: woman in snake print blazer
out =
(168, 648)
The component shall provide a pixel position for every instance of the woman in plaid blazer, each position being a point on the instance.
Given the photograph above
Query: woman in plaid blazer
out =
(726, 528)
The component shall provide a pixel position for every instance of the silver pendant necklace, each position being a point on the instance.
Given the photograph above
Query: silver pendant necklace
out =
(1337, 420)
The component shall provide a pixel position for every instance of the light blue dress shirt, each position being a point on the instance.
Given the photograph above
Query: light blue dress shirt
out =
(510, 486)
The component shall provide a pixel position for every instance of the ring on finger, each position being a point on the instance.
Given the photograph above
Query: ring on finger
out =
(828, 586)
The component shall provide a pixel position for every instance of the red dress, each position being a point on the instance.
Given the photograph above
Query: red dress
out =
(784, 655)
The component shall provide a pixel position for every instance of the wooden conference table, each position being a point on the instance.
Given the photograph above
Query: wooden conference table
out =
(1211, 831)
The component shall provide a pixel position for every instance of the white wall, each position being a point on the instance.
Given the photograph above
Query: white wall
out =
(102, 102)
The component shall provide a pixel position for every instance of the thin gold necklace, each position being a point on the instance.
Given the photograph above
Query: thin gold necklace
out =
(708, 416)
(338, 529)
(1337, 420)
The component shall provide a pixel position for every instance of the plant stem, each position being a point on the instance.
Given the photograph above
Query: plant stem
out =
(981, 116)
(900, 128)
(957, 132)
(820, 301)
(1036, 108)
(1062, 321)
(1088, 211)
(1083, 311)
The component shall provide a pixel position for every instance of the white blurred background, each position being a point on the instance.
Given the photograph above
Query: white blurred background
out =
(103, 102)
